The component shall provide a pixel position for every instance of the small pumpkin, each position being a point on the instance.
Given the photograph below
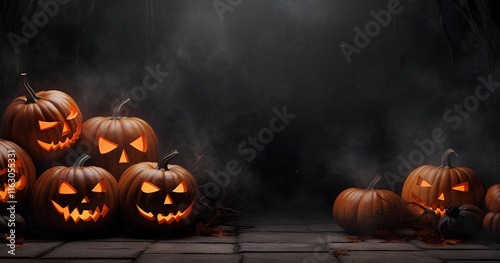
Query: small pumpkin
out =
(158, 196)
(119, 142)
(75, 199)
(459, 222)
(17, 176)
(492, 198)
(491, 223)
(46, 124)
(437, 188)
(363, 211)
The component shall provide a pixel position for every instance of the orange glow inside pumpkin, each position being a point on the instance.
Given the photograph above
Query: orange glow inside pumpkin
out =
(441, 209)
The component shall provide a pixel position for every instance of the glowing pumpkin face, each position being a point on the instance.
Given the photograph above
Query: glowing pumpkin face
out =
(75, 199)
(17, 175)
(158, 196)
(437, 188)
(119, 142)
(45, 123)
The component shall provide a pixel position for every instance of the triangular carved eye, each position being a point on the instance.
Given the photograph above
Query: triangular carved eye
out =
(100, 187)
(66, 189)
(148, 187)
(140, 143)
(181, 188)
(423, 183)
(45, 125)
(463, 187)
(73, 113)
(106, 146)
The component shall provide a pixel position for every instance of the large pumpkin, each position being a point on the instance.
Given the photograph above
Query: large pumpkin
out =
(17, 175)
(492, 198)
(363, 211)
(119, 142)
(158, 196)
(46, 124)
(437, 188)
(76, 198)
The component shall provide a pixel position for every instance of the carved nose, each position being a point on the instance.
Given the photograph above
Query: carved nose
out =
(124, 157)
(85, 200)
(66, 129)
(441, 196)
(168, 200)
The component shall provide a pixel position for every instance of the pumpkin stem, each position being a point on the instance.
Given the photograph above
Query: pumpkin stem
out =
(79, 162)
(118, 109)
(163, 163)
(452, 211)
(28, 91)
(446, 161)
(374, 181)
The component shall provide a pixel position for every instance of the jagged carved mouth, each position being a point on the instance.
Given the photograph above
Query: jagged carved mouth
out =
(439, 210)
(85, 215)
(168, 218)
(19, 185)
(61, 145)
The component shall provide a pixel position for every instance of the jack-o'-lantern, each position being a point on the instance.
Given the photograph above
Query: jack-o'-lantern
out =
(119, 142)
(17, 175)
(158, 196)
(76, 198)
(437, 188)
(45, 123)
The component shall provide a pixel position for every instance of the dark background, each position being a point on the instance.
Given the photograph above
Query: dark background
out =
(225, 77)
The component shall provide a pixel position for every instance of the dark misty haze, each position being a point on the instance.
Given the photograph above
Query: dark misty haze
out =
(225, 78)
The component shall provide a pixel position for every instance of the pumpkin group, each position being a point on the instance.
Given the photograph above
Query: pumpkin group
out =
(76, 198)
(17, 174)
(437, 188)
(363, 211)
(491, 221)
(119, 142)
(158, 196)
(46, 124)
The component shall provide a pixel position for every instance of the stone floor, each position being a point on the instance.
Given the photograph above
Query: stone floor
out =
(253, 239)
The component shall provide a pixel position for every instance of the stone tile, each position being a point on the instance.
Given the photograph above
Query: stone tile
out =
(30, 249)
(110, 250)
(70, 260)
(188, 258)
(270, 221)
(379, 246)
(388, 257)
(275, 237)
(465, 254)
(288, 257)
(422, 245)
(119, 239)
(276, 228)
(325, 228)
(201, 239)
(281, 247)
(197, 248)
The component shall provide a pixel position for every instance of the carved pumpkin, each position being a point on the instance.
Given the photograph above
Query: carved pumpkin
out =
(119, 142)
(45, 124)
(363, 211)
(76, 198)
(460, 222)
(492, 198)
(17, 176)
(491, 223)
(158, 196)
(437, 188)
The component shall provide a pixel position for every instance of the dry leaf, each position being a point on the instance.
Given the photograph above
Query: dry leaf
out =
(340, 253)
(356, 239)
(209, 231)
